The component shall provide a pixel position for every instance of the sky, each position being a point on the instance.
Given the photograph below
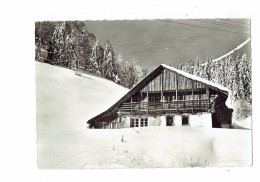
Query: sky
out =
(170, 41)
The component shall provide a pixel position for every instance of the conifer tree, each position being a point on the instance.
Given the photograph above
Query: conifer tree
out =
(234, 82)
(96, 57)
(197, 68)
(58, 42)
(43, 36)
(221, 74)
(108, 67)
(245, 77)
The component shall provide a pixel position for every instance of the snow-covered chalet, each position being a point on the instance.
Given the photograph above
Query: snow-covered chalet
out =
(168, 97)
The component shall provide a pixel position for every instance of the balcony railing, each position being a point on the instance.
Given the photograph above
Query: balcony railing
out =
(173, 106)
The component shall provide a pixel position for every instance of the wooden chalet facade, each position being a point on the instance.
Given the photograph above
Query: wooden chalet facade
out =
(168, 97)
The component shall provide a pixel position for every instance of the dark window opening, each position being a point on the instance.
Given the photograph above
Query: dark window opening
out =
(185, 120)
(154, 98)
(132, 124)
(146, 122)
(180, 97)
(137, 123)
(142, 122)
(169, 121)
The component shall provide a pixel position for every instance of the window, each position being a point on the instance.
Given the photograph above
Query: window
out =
(169, 98)
(151, 99)
(142, 123)
(169, 121)
(185, 120)
(139, 122)
(146, 122)
(132, 124)
(155, 98)
(180, 97)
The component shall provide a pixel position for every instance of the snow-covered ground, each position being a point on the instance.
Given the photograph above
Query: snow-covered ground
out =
(245, 123)
(66, 101)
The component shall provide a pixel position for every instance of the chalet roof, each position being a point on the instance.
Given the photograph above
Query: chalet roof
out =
(148, 78)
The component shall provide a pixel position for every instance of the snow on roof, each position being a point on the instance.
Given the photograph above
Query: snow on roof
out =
(193, 77)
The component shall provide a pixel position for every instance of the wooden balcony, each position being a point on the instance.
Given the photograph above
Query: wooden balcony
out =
(177, 106)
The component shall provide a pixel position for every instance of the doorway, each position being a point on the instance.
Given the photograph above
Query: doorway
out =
(215, 123)
(169, 121)
(185, 120)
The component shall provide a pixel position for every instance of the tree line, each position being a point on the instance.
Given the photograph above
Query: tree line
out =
(232, 73)
(69, 44)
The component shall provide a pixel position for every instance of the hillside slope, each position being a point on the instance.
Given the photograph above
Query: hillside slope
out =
(65, 101)
(69, 99)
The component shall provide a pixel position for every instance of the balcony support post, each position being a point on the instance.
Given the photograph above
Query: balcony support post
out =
(131, 104)
(162, 89)
(176, 84)
(192, 94)
(207, 96)
(147, 99)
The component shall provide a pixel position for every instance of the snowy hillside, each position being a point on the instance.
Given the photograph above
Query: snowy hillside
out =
(69, 99)
(66, 101)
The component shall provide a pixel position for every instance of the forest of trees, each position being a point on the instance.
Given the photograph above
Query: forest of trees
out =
(232, 73)
(69, 44)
